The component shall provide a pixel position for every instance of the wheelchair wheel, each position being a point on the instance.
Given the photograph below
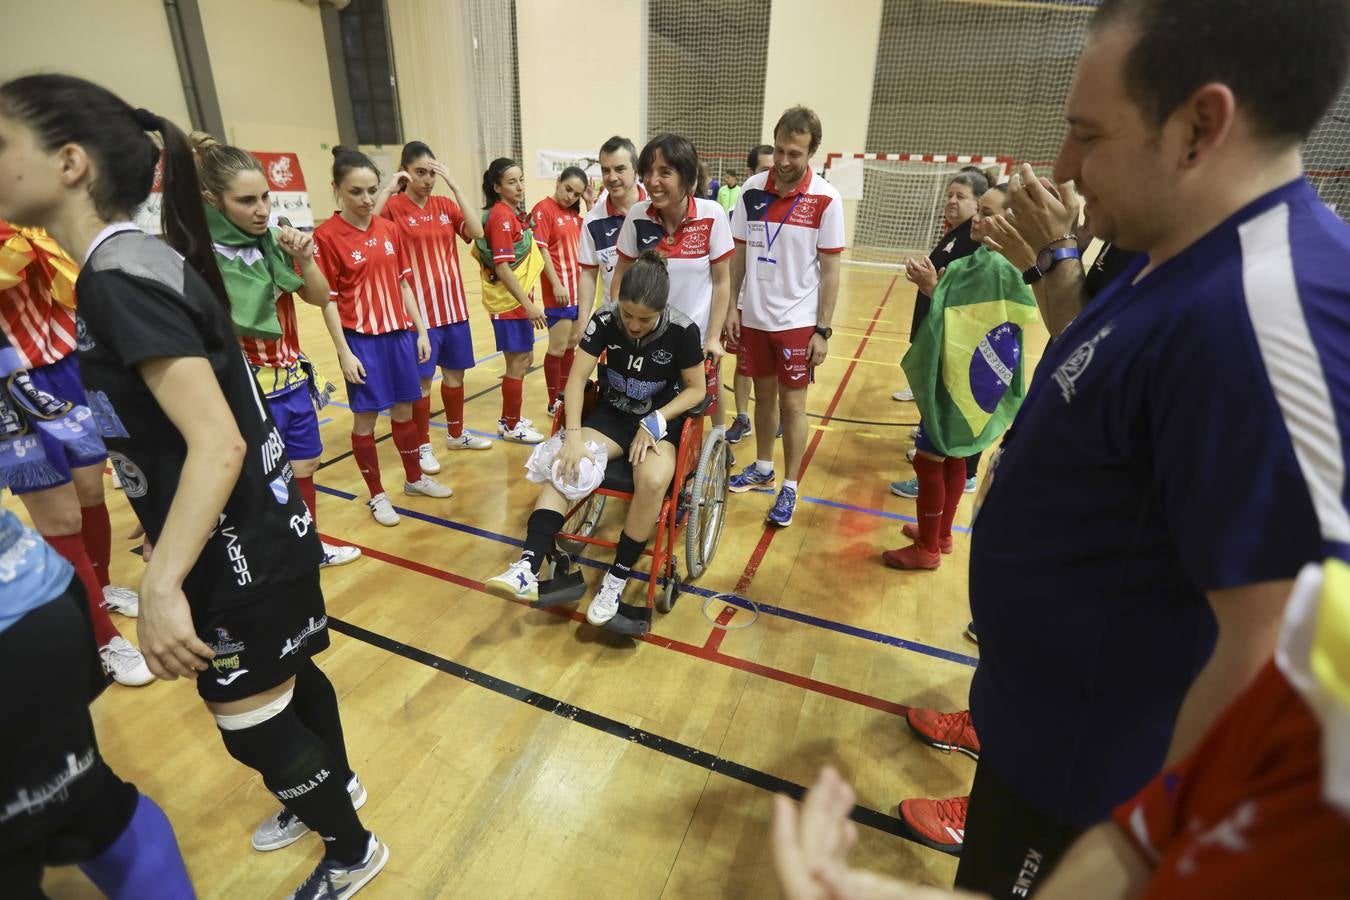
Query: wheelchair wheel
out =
(583, 522)
(669, 592)
(707, 505)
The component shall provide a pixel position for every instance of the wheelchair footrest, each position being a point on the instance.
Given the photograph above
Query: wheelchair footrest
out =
(560, 590)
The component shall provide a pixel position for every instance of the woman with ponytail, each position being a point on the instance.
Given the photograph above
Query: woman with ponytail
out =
(557, 227)
(264, 269)
(231, 596)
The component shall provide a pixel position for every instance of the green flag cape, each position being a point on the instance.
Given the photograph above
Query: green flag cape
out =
(965, 364)
(256, 271)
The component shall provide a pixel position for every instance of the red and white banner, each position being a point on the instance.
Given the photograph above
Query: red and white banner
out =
(284, 179)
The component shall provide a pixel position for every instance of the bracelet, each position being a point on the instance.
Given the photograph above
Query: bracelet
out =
(578, 428)
(1058, 240)
(655, 423)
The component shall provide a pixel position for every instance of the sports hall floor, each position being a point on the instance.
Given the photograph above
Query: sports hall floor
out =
(510, 752)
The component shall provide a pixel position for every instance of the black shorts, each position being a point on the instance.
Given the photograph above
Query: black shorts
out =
(262, 644)
(622, 427)
(1010, 847)
(59, 801)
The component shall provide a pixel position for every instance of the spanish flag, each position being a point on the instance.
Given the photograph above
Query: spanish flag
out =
(965, 364)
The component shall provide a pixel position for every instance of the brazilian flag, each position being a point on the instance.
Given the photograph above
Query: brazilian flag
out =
(965, 364)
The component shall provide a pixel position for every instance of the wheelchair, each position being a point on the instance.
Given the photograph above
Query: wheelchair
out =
(692, 513)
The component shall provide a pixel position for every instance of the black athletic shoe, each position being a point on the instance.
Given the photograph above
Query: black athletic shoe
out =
(970, 634)
(633, 621)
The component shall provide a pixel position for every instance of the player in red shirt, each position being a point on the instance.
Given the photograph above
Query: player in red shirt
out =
(557, 227)
(504, 229)
(428, 226)
(263, 271)
(376, 327)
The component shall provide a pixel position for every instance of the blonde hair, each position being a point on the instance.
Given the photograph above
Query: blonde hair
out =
(218, 164)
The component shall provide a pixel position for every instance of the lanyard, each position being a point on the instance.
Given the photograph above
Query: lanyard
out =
(770, 238)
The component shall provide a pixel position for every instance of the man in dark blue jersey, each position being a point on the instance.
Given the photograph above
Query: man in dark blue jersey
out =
(1183, 451)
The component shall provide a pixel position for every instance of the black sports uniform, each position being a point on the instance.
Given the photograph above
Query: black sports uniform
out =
(639, 377)
(254, 591)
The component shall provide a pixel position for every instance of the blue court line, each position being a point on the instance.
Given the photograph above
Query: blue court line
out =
(731, 599)
(325, 421)
(867, 510)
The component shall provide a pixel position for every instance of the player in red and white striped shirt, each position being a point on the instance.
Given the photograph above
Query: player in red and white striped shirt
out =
(376, 327)
(556, 222)
(428, 226)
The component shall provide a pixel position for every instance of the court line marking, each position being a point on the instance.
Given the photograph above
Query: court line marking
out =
(863, 815)
(875, 637)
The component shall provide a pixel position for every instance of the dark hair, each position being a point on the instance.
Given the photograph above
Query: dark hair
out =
(1285, 62)
(972, 178)
(617, 143)
(218, 164)
(647, 283)
(494, 174)
(412, 152)
(679, 154)
(752, 158)
(62, 109)
(1001, 188)
(800, 120)
(575, 172)
(347, 160)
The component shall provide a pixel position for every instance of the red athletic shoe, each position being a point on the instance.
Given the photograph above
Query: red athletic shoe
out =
(911, 557)
(945, 731)
(940, 824)
(911, 531)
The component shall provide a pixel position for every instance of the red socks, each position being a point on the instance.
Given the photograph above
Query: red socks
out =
(954, 479)
(421, 416)
(932, 493)
(71, 546)
(453, 399)
(552, 372)
(368, 461)
(564, 370)
(306, 488)
(96, 532)
(408, 444)
(511, 391)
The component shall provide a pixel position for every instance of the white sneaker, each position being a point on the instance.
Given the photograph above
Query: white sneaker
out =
(382, 510)
(467, 441)
(914, 434)
(518, 582)
(338, 556)
(522, 422)
(283, 828)
(554, 407)
(605, 603)
(427, 459)
(122, 659)
(521, 434)
(910, 454)
(427, 486)
(122, 600)
(903, 395)
(331, 881)
(117, 482)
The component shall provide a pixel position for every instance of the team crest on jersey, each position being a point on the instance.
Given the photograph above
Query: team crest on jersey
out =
(388, 247)
(82, 339)
(1067, 375)
(662, 357)
(445, 219)
(225, 643)
(134, 482)
(358, 257)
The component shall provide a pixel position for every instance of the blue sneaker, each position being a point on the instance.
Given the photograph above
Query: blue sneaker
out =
(783, 507)
(907, 489)
(751, 479)
(970, 486)
(739, 429)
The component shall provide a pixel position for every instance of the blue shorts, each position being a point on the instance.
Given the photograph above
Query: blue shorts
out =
(390, 361)
(514, 335)
(556, 314)
(451, 348)
(61, 380)
(297, 422)
(923, 444)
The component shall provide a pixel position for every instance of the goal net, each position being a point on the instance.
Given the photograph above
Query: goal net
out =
(1327, 156)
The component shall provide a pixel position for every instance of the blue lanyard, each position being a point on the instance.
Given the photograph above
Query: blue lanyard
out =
(770, 238)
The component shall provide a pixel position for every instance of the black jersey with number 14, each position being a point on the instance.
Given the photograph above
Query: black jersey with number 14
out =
(140, 300)
(643, 375)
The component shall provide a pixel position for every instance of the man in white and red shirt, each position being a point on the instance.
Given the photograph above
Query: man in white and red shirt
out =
(789, 232)
(599, 248)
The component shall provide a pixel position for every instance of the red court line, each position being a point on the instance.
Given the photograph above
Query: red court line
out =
(714, 641)
(757, 556)
(705, 653)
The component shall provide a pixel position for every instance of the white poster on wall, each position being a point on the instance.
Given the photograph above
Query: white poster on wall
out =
(550, 163)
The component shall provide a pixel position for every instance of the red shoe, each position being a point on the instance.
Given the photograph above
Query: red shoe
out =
(911, 557)
(945, 731)
(911, 531)
(939, 824)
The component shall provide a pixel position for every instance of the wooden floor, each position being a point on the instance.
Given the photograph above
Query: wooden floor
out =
(518, 753)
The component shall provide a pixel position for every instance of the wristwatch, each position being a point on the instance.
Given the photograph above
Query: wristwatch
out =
(824, 331)
(1047, 259)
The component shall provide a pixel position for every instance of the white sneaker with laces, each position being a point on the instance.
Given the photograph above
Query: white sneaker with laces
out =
(554, 407)
(124, 661)
(283, 828)
(605, 603)
(338, 556)
(522, 421)
(332, 881)
(427, 459)
(518, 582)
(383, 510)
(427, 486)
(910, 454)
(903, 395)
(467, 441)
(521, 434)
(122, 600)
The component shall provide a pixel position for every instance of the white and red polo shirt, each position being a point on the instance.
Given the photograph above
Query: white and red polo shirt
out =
(800, 225)
(428, 234)
(702, 238)
(364, 269)
(600, 237)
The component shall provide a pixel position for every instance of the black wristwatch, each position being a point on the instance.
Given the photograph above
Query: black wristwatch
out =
(824, 331)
